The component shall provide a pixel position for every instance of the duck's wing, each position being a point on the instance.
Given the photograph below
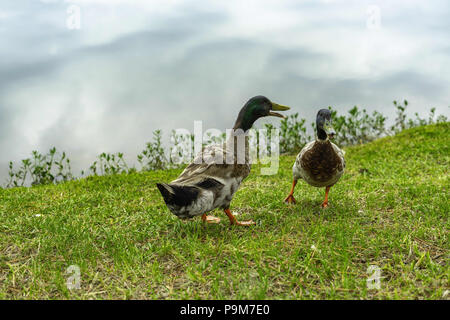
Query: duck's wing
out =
(297, 167)
(306, 148)
(340, 153)
(302, 152)
(202, 161)
(211, 163)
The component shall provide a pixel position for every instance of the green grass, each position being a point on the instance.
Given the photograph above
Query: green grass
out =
(390, 209)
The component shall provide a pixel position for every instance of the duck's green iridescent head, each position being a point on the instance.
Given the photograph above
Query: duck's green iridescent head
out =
(255, 108)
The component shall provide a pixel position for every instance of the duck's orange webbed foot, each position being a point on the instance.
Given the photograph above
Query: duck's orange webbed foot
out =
(290, 199)
(210, 219)
(234, 221)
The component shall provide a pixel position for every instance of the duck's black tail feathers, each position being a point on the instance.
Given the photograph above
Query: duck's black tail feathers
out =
(178, 195)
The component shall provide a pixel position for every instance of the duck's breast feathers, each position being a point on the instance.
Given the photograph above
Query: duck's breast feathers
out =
(322, 161)
(340, 153)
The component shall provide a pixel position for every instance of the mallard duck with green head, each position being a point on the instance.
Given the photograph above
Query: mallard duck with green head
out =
(320, 163)
(217, 172)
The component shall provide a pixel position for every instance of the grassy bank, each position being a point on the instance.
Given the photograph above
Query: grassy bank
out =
(390, 209)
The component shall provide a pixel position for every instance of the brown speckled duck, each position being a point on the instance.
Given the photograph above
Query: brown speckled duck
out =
(210, 181)
(320, 163)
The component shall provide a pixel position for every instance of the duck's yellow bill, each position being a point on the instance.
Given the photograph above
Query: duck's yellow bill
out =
(278, 107)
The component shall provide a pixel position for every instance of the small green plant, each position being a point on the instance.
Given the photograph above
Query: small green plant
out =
(153, 156)
(214, 139)
(53, 167)
(182, 149)
(109, 163)
(402, 123)
(358, 127)
(293, 135)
